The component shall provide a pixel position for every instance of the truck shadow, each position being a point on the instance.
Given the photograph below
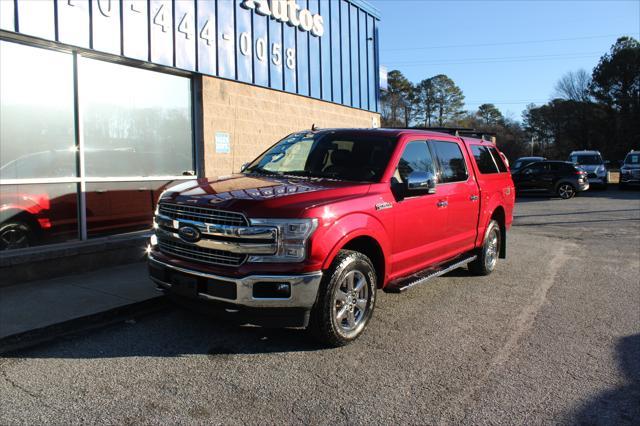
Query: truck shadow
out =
(620, 405)
(173, 332)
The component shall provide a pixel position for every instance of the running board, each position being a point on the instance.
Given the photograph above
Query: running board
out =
(425, 275)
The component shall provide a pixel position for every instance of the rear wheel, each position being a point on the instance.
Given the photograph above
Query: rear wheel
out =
(566, 191)
(488, 255)
(15, 235)
(346, 299)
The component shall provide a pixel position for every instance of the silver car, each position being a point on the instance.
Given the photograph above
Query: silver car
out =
(592, 163)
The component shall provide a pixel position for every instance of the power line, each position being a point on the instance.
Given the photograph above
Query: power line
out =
(499, 58)
(504, 43)
(495, 62)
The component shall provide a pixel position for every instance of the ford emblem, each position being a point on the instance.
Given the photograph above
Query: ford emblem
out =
(189, 234)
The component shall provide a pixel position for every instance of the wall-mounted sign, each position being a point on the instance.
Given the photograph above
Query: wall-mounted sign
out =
(290, 12)
(223, 145)
(324, 49)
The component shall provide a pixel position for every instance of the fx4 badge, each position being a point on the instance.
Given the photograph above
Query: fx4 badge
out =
(382, 206)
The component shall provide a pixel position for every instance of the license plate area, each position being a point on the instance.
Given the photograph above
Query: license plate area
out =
(184, 285)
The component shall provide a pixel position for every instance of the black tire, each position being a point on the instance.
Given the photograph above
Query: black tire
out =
(488, 254)
(324, 323)
(566, 191)
(15, 235)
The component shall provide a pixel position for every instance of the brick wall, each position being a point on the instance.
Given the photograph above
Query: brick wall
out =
(255, 118)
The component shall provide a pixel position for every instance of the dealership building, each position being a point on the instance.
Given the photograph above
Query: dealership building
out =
(103, 102)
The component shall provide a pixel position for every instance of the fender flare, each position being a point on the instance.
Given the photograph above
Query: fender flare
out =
(374, 230)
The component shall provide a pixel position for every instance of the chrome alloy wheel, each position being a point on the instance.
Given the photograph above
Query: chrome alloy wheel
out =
(351, 303)
(491, 250)
(566, 191)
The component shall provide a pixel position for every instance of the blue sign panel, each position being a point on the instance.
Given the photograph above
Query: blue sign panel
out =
(325, 52)
(73, 22)
(7, 15)
(161, 30)
(206, 37)
(261, 49)
(244, 41)
(135, 35)
(226, 39)
(105, 19)
(274, 50)
(185, 35)
(325, 49)
(37, 19)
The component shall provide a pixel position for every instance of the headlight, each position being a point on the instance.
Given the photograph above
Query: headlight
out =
(293, 236)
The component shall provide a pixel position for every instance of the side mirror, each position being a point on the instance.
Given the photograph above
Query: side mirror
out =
(421, 182)
(244, 167)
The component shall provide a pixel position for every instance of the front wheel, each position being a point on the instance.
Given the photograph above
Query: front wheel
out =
(346, 299)
(566, 191)
(15, 235)
(488, 255)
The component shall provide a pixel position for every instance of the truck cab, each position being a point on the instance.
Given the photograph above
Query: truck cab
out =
(310, 230)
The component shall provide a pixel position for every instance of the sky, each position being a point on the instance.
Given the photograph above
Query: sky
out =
(509, 53)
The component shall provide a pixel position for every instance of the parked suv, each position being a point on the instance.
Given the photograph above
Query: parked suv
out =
(630, 170)
(523, 161)
(554, 177)
(312, 228)
(592, 163)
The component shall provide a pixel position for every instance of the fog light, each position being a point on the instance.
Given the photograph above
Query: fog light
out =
(153, 240)
(271, 290)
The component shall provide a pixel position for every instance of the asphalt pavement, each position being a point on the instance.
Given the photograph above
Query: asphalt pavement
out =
(552, 336)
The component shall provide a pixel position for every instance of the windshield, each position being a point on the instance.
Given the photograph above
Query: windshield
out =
(326, 155)
(632, 159)
(523, 162)
(586, 159)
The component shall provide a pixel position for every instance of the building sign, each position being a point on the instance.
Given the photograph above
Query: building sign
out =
(223, 145)
(290, 12)
(318, 48)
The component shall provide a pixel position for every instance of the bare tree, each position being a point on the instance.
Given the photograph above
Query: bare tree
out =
(574, 86)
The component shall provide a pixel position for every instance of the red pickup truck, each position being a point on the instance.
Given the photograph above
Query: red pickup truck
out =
(312, 228)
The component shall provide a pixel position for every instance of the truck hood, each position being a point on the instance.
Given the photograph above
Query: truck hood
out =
(262, 196)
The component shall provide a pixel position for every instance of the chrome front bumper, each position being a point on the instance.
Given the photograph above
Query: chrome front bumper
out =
(304, 287)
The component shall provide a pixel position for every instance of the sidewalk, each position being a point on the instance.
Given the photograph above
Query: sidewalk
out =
(38, 311)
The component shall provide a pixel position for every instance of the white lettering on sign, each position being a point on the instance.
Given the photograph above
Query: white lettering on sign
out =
(288, 11)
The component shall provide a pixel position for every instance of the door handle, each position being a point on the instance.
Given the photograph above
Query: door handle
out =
(474, 198)
(443, 203)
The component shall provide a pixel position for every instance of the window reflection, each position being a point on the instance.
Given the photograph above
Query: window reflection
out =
(37, 136)
(116, 207)
(135, 122)
(37, 214)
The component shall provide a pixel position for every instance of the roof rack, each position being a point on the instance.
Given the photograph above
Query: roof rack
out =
(458, 132)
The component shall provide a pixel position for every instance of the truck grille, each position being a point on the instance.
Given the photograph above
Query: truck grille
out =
(200, 254)
(201, 214)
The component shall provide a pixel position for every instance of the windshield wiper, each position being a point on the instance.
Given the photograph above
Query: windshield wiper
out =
(262, 172)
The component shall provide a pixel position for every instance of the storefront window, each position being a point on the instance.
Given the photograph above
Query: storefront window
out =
(36, 113)
(136, 135)
(135, 122)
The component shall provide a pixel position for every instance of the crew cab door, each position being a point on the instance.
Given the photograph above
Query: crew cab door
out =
(458, 187)
(420, 218)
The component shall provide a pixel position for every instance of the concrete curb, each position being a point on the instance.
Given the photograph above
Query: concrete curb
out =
(52, 332)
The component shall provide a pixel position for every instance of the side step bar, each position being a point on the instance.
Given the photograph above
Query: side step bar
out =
(403, 284)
